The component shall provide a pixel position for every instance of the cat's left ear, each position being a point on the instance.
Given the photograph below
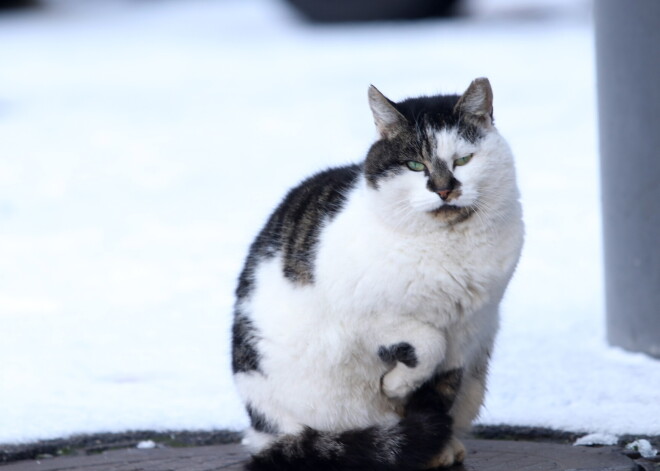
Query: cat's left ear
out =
(476, 104)
(387, 118)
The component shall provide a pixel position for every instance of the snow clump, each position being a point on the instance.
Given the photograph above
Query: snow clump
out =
(643, 447)
(596, 439)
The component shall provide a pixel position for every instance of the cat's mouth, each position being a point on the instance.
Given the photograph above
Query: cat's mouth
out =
(452, 214)
(447, 208)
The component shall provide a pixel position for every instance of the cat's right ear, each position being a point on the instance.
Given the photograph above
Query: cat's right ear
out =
(476, 104)
(389, 121)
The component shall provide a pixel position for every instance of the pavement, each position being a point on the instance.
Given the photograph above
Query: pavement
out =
(483, 455)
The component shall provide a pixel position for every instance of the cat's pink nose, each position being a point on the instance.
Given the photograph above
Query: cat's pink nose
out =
(444, 194)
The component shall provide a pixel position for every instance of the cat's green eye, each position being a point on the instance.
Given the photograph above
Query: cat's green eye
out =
(463, 160)
(415, 166)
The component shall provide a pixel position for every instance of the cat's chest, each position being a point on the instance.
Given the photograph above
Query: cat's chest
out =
(361, 265)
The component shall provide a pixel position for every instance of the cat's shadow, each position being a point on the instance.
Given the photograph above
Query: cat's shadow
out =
(456, 467)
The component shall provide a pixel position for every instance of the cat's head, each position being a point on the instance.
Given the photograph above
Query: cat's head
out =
(439, 157)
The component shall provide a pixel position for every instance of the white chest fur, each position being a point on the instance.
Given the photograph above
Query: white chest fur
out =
(441, 274)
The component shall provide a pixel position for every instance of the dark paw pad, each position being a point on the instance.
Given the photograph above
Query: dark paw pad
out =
(402, 351)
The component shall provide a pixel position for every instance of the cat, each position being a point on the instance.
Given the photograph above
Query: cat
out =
(373, 287)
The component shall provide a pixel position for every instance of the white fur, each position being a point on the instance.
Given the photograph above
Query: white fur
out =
(387, 271)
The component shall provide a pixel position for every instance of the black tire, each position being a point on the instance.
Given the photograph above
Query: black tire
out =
(330, 11)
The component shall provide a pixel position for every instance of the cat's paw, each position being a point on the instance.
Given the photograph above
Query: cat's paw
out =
(398, 352)
(453, 453)
(397, 383)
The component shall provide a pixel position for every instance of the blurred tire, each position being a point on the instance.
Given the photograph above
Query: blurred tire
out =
(17, 4)
(329, 11)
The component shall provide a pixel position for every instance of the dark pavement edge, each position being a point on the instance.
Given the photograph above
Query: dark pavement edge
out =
(81, 445)
(99, 442)
(483, 455)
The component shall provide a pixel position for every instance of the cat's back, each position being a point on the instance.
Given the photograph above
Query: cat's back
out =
(293, 230)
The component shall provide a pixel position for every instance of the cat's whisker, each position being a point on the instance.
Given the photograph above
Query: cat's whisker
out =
(477, 211)
(484, 209)
(495, 214)
(400, 212)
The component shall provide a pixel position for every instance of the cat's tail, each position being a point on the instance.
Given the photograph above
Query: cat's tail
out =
(410, 444)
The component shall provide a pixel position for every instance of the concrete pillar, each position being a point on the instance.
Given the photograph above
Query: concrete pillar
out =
(628, 71)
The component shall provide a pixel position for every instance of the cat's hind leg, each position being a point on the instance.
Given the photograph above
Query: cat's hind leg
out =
(466, 408)
(453, 453)
(262, 432)
(468, 401)
(256, 441)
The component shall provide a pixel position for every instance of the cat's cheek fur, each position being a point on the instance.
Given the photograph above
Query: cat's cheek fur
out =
(399, 202)
(397, 197)
(483, 175)
(496, 175)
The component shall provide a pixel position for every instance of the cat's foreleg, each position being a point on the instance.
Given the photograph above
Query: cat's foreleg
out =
(471, 396)
(413, 353)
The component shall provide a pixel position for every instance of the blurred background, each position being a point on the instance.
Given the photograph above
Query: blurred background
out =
(144, 142)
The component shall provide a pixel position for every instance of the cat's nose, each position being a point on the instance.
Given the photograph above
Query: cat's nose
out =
(444, 194)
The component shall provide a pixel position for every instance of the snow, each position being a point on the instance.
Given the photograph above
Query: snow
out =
(592, 439)
(644, 448)
(146, 445)
(144, 143)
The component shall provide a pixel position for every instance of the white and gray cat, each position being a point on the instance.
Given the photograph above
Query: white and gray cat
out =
(368, 304)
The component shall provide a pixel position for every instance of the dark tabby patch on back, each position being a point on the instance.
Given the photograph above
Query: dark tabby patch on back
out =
(293, 229)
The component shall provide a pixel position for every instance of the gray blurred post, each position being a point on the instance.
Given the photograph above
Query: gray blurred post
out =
(628, 68)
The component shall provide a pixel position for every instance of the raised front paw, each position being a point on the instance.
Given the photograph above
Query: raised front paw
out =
(453, 453)
(402, 379)
(399, 382)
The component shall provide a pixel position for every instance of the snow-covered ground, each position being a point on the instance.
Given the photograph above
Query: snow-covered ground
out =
(142, 144)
